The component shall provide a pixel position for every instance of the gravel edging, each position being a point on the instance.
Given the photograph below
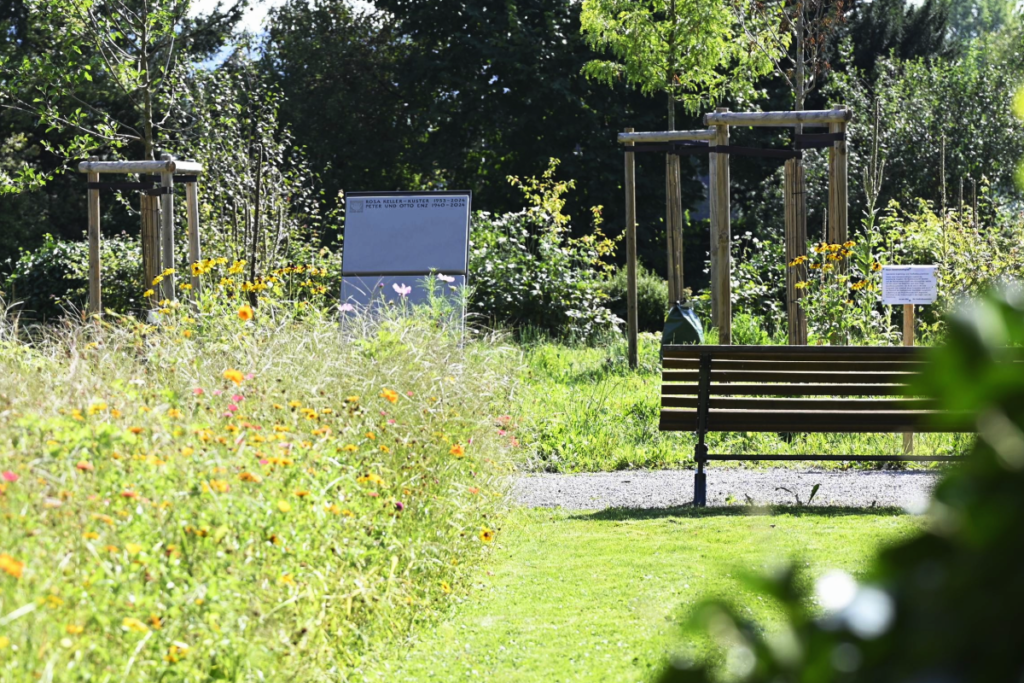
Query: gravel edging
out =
(672, 488)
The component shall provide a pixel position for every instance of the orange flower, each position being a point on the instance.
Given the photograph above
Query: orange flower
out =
(85, 466)
(333, 508)
(390, 395)
(234, 376)
(11, 566)
(302, 493)
(245, 313)
(249, 476)
(457, 450)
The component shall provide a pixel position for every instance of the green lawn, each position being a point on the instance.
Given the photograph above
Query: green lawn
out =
(598, 596)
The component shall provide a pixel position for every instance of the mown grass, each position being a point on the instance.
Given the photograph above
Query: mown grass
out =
(581, 409)
(215, 499)
(599, 596)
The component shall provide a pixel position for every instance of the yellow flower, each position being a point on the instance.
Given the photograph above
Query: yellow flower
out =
(133, 548)
(133, 624)
(154, 621)
(148, 293)
(4, 642)
(350, 448)
(849, 245)
(801, 285)
(390, 395)
(245, 313)
(352, 399)
(73, 629)
(457, 450)
(445, 587)
(371, 478)
(236, 268)
(286, 579)
(333, 508)
(97, 407)
(178, 650)
(174, 413)
(371, 436)
(385, 449)
(90, 535)
(284, 506)
(187, 451)
(234, 376)
(186, 286)
(486, 535)
(876, 266)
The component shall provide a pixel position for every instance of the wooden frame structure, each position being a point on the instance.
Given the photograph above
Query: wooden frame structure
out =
(717, 146)
(157, 209)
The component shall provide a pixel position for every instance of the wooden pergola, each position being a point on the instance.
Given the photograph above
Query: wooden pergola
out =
(714, 141)
(157, 209)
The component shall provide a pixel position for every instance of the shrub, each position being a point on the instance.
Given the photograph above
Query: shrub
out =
(651, 298)
(47, 281)
(527, 272)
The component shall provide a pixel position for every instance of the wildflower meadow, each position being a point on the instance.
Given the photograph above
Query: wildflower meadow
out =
(238, 493)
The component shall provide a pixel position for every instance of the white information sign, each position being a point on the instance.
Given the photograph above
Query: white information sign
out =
(909, 284)
(396, 241)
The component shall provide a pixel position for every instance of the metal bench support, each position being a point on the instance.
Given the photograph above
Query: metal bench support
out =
(700, 491)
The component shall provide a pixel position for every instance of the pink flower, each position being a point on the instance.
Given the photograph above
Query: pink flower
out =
(217, 392)
(264, 461)
(232, 408)
(198, 391)
(238, 398)
(408, 393)
(402, 290)
(391, 422)
(501, 432)
(445, 278)
(9, 476)
(250, 376)
(347, 308)
(399, 505)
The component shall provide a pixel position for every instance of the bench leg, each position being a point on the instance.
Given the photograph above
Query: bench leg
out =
(700, 488)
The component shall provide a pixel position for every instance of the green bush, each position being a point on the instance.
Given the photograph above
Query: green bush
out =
(651, 298)
(528, 273)
(49, 280)
(942, 606)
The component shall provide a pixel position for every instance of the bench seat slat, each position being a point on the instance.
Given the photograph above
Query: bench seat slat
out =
(788, 390)
(819, 422)
(809, 404)
(801, 366)
(831, 353)
(792, 377)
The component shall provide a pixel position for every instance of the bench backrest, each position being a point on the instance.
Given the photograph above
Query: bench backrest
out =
(797, 389)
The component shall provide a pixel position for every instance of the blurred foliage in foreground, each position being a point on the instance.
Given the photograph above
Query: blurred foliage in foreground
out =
(942, 607)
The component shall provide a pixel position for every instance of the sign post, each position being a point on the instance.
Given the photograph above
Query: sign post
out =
(909, 286)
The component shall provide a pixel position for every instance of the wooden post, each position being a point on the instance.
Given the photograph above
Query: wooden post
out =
(670, 231)
(723, 267)
(796, 246)
(95, 297)
(631, 305)
(840, 210)
(908, 340)
(713, 242)
(150, 246)
(677, 229)
(194, 252)
(167, 227)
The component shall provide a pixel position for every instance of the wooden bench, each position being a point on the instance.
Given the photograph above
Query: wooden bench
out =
(796, 389)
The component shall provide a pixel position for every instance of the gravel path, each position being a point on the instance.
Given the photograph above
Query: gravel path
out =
(671, 488)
